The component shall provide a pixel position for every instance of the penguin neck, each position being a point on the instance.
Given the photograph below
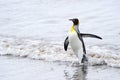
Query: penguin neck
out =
(76, 27)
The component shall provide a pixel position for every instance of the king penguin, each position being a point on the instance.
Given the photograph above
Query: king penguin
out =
(75, 39)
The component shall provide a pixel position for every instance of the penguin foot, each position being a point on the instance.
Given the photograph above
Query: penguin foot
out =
(84, 59)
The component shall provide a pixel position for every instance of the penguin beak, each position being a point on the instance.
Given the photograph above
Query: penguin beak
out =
(70, 19)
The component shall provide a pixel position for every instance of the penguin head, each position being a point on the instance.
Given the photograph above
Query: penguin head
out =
(75, 21)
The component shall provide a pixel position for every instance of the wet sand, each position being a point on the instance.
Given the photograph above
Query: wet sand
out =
(12, 68)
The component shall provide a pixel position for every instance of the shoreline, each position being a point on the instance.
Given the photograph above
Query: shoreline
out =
(22, 68)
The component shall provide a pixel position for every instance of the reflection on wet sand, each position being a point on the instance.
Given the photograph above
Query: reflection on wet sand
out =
(79, 74)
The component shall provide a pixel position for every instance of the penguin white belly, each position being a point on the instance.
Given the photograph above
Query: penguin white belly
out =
(76, 45)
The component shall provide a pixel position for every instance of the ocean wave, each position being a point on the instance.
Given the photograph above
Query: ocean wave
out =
(54, 51)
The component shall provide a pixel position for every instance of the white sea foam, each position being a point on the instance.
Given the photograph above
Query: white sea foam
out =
(38, 49)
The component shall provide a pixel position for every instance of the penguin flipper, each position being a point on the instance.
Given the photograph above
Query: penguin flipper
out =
(90, 35)
(66, 43)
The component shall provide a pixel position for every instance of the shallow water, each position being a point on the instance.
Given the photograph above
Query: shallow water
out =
(21, 69)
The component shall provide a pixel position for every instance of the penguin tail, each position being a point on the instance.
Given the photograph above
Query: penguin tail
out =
(84, 59)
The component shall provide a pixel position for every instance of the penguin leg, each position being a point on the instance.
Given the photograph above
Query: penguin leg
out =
(80, 56)
(84, 59)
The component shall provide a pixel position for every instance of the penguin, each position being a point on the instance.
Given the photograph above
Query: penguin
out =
(75, 39)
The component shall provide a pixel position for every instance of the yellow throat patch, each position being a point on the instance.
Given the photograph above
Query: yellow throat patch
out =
(72, 29)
